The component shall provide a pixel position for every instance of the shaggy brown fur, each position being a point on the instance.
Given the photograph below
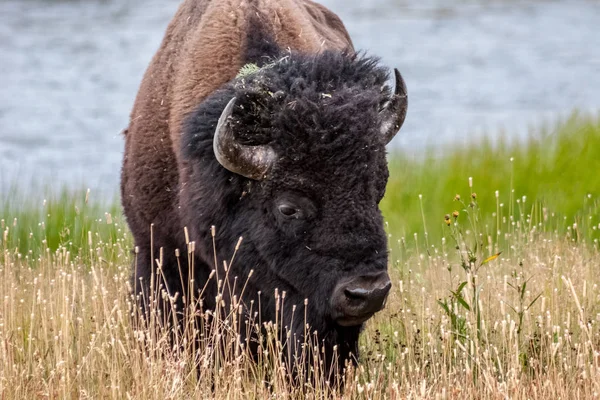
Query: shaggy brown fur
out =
(290, 155)
(203, 48)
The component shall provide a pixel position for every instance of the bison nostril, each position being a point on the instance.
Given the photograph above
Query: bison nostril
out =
(357, 293)
(369, 299)
(356, 299)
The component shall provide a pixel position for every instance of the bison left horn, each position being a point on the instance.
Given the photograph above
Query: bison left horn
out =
(250, 161)
(393, 115)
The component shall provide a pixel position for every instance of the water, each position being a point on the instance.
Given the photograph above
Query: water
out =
(69, 72)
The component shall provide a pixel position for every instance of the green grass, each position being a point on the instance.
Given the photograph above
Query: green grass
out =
(70, 219)
(555, 169)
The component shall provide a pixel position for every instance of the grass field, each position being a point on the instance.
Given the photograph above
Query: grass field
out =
(500, 301)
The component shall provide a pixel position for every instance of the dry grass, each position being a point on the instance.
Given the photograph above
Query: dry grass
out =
(458, 324)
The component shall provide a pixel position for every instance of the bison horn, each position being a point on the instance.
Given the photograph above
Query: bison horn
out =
(392, 116)
(250, 161)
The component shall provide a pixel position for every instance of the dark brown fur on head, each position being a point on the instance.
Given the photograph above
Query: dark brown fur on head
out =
(320, 115)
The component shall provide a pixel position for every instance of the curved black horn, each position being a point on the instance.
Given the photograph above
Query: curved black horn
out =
(392, 117)
(250, 161)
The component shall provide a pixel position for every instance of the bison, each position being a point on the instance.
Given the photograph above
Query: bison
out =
(259, 118)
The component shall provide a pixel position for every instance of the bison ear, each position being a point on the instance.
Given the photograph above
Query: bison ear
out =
(393, 115)
(249, 161)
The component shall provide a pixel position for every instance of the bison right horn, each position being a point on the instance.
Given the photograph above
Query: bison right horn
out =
(393, 115)
(250, 161)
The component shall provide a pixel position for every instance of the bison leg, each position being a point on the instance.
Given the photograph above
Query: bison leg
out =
(159, 282)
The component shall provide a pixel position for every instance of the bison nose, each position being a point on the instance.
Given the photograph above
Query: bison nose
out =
(356, 299)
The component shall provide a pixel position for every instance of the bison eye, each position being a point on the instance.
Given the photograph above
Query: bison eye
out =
(288, 210)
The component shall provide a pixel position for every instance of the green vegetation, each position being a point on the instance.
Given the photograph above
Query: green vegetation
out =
(69, 219)
(555, 169)
(500, 299)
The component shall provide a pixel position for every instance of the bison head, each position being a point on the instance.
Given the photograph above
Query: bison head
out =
(292, 158)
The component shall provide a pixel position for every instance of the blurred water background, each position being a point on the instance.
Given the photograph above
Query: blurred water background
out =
(69, 72)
